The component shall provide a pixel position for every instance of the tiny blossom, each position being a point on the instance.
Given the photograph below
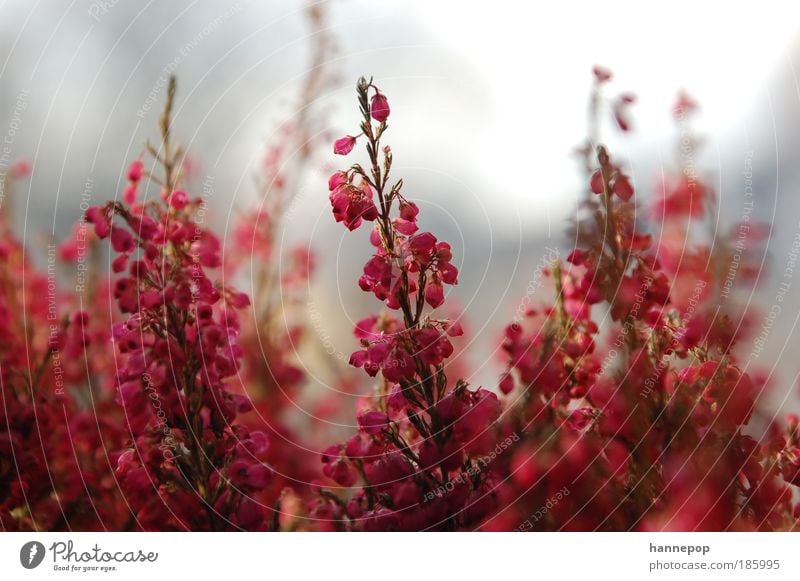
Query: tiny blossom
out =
(20, 168)
(602, 74)
(621, 106)
(684, 105)
(373, 422)
(97, 216)
(178, 200)
(379, 107)
(344, 145)
(135, 170)
(351, 204)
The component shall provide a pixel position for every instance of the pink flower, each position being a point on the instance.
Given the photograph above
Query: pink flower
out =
(390, 357)
(434, 293)
(576, 257)
(422, 251)
(407, 222)
(143, 226)
(120, 263)
(379, 107)
(97, 216)
(623, 187)
(135, 170)
(250, 515)
(621, 110)
(602, 74)
(408, 210)
(344, 145)
(684, 105)
(122, 241)
(129, 194)
(337, 179)
(353, 204)
(238, 300)
(377, 277)
(432, 345)
(596, 183)
(20, 168)
(506, 383)
(685, 198)
(373, 422)
(178, 200)
(580, 418)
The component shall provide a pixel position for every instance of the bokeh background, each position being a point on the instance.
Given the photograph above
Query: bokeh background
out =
(488, 102)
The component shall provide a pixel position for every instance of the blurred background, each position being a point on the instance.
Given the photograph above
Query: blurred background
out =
(489, 102)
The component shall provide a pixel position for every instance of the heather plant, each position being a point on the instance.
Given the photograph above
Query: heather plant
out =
(55, 434)
(639, 425)
(189, 465)
(422, 430)
(161, 397)
(645, 425)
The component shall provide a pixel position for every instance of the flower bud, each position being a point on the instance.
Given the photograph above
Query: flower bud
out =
(344, 145)
(178, 200)
(379, 107)
(135, 171)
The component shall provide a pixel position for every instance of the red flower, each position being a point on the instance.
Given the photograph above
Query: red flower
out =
(97, 216)
(179, 200)
(344, 145)
(122, 241)
(136, 170)
(372, 422)
(377, 277)
(602, 74)
(379, 107)
(353, 204)
(597, 185)
(622, 187)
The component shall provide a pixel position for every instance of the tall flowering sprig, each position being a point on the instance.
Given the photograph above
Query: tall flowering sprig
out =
(190, 464)
(422, 434)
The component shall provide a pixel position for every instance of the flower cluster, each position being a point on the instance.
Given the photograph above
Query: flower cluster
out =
(643, 423)
(161, 397)
(190, 465)
(421, 432)
(55, 456)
